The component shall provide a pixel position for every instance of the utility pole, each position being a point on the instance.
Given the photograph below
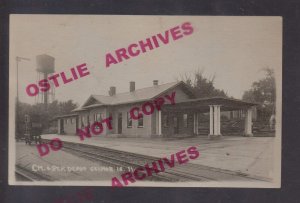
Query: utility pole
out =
(18, 59)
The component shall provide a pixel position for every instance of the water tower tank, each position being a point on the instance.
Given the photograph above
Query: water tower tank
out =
(45, 67)
(45, 63)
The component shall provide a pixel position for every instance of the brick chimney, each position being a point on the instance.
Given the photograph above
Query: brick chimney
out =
(112, 91)
(155, 82)
(132, 86)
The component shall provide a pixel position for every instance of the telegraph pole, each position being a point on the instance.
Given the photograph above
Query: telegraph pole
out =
(18, 59)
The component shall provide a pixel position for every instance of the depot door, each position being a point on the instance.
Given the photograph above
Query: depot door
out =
(119, 123)
(61, 129)
(176, 125)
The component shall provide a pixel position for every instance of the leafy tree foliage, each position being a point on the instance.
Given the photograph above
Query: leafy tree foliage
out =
(264, 93)
(39, 113)
(201, 86)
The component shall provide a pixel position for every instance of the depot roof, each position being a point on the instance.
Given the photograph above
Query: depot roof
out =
(138, 95)
(150, 93)
(202, 104)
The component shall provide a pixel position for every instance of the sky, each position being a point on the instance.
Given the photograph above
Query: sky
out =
(234, 49)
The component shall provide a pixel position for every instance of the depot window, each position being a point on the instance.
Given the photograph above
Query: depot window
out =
(111, 121)
(185, 120)
(83, 120)
(97, 117)
(141, 122)
(129, 120)
(165, 121)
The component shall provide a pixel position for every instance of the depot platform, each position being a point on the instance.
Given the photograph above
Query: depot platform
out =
(248, 155)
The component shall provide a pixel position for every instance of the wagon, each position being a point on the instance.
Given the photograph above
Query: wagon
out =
(33, 130)
(29, 138)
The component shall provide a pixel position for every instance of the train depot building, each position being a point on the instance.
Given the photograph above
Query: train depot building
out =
(137, 113)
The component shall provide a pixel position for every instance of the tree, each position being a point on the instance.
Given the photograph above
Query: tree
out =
(45, 114)
(60, 108)
(264, 93)
(201, 86)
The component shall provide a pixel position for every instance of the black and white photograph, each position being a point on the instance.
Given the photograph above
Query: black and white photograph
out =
(138, 101)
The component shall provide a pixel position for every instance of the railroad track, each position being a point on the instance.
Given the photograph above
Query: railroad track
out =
(28, 175)
(180, 173)
(119, 159)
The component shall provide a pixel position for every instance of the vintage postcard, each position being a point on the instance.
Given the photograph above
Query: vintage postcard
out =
(168, 101)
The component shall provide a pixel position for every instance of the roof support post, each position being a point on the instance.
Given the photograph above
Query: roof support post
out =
(248, 123)
(211, 120)
(218, 122)
(159, 122)
(58, 127)
(214, 121)
(196, 124)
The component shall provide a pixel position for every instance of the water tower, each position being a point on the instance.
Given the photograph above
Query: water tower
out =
(45, 68)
